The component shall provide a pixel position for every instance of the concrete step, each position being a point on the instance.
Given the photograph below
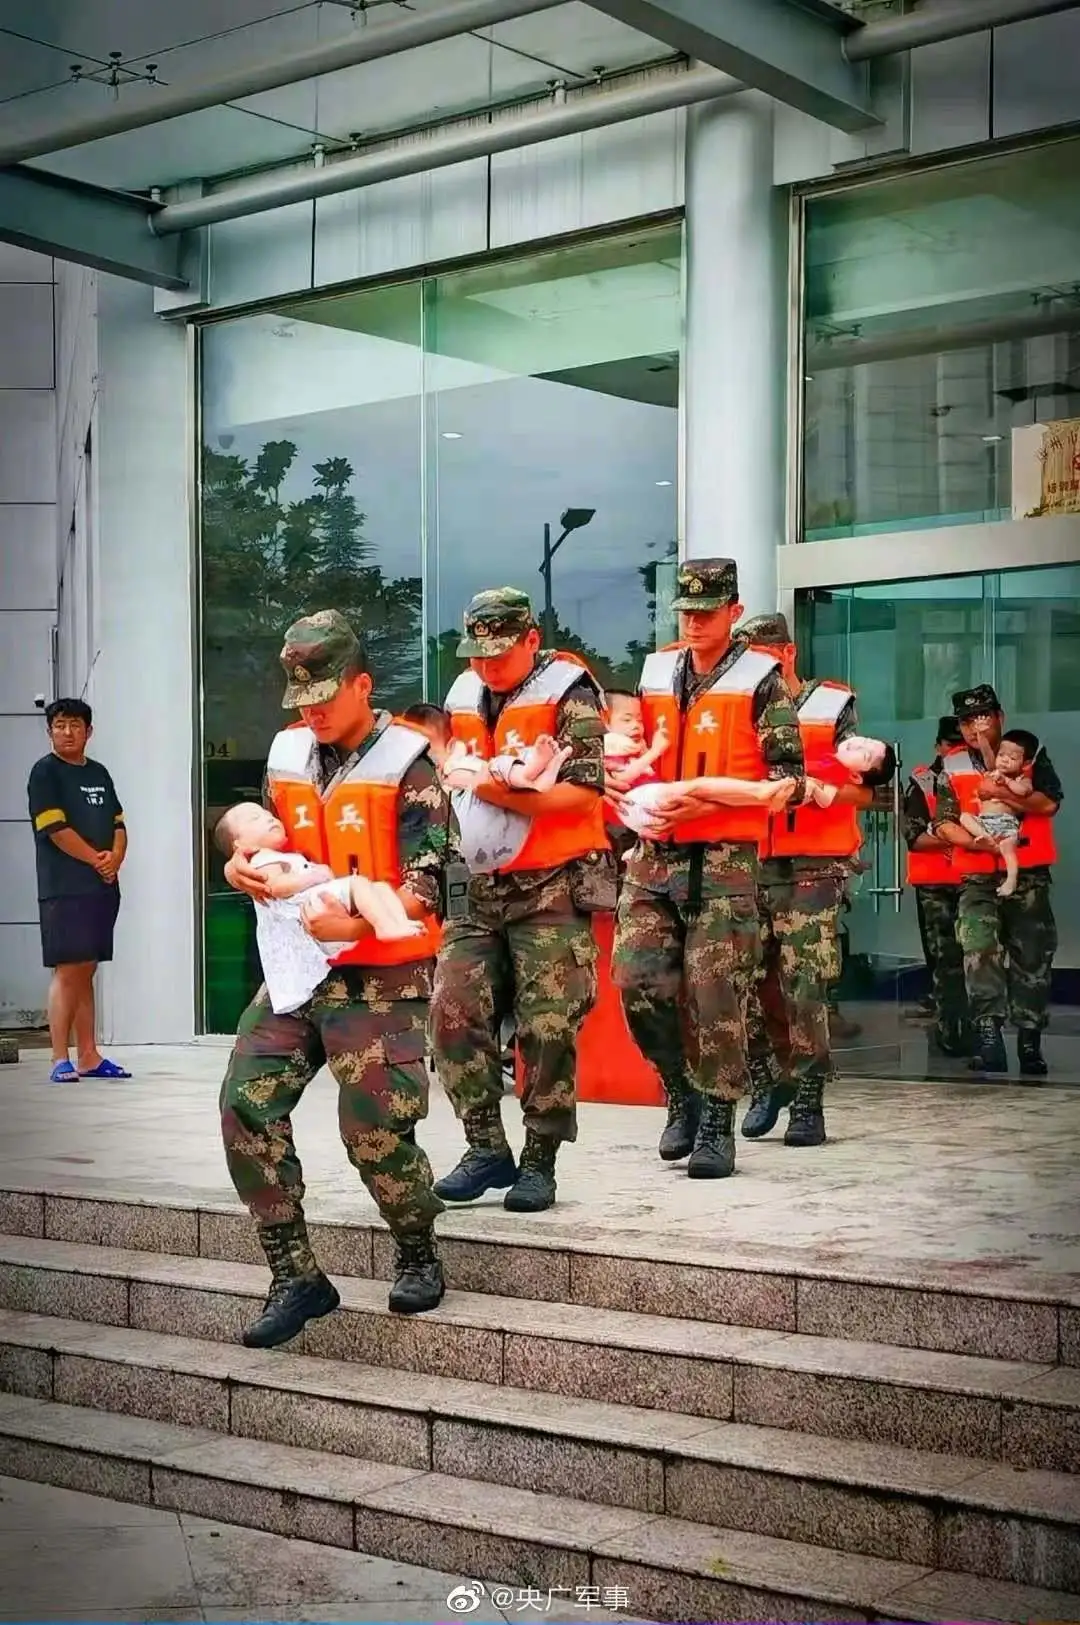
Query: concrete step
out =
(991, 1313)
(948, 1512)
(1024, 1414)
(665, 1568)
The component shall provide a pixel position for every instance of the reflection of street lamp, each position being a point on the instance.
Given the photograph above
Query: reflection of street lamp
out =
(572, 519)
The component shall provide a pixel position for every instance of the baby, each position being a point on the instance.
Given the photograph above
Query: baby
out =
(491, 837)
(535, 767)
(643, 806)
(293, 963)
(869, 761)
(626, 754)
(1011, 767)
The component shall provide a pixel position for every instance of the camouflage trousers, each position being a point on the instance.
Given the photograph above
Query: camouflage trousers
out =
(532, 957)
(939, 910)
(788, 1018)
(376, 1055)
(685, 978)
(1008, 945)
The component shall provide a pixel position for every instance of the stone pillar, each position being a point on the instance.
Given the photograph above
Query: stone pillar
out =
(735, 350)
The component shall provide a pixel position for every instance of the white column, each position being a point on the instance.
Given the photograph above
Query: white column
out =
(143, 683)
(735, 388)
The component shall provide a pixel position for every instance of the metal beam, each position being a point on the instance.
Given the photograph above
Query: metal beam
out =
(109, 231)
(359, 45)
(790, 50)
(895, 34)
(589, 110)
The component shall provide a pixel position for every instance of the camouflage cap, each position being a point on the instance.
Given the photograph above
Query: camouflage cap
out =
(706, 584)
(494, 621)
(771, 630)
(980, 701)
(318, 652)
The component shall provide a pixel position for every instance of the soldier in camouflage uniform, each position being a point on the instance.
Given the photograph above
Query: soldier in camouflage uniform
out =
(800, 895)
(1008, 942)
(937, 898)
(366, 1021)
(688, 938)
(527, 946)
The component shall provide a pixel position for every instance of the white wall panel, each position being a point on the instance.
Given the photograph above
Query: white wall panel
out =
(20, 265)
(18, 894)
(26, 320)
(27, 444)
(27, 557)
(414, 221)
(264, 255)
(1037, 74)
(25, 656)
(587, 180)
(22, 740)
(24, 983)
(950, 94)
(144, 549)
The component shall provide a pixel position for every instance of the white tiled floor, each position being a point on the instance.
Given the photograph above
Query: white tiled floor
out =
(65, 1556)
(925, 1180)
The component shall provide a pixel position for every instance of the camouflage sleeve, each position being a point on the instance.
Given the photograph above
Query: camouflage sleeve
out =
(778, 730)
(916, 813)
(580, 724)
(427, 837)
(948, 807)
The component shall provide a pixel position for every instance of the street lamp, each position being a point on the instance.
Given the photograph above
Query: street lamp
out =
(572, 519)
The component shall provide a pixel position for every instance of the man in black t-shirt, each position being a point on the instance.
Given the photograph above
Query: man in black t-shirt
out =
(81, 842)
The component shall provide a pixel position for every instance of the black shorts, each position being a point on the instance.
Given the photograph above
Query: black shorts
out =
(78, 930)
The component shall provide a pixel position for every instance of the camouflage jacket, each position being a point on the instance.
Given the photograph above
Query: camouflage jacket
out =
(662, 866)
(427, 841)
(578, 723)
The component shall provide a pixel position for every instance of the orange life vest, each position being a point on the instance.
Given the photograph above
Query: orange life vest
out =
(813, 831)
(553, 838)
(1035, 847)
(932, 868)
(351, 825)
(716, 737)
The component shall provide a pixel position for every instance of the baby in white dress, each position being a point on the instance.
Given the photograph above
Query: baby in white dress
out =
(294, 963)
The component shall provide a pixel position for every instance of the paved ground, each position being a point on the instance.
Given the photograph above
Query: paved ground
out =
(919, 1180)
(65, 1556)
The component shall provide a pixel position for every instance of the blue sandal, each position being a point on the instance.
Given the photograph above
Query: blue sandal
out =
(63, 1072)
(106, 1069)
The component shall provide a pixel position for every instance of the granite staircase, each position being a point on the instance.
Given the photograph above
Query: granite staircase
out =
(706, 1443)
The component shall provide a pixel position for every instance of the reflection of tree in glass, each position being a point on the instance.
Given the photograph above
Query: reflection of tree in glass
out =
(266, 561)
(622, 672)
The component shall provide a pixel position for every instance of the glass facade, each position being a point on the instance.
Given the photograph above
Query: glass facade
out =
(941, 315)
(906, 647)
(391, 451)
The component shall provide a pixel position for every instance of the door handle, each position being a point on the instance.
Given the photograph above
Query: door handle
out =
(896, 890)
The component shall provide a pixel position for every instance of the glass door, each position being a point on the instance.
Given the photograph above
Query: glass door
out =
(905, 648)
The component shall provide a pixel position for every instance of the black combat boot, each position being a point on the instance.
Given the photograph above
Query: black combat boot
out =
(418, 1274)
(299, 1291)
(683, 1112)
(488, 1164)
(951, 1037)
(989, 1053)
(534, 1189)
(767, 1100)
(806, 1123)
(713, 1156)
(1029, 1051)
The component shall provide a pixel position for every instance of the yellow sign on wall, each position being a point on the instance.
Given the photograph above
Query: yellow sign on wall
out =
(1046, 469)
(222, 750)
